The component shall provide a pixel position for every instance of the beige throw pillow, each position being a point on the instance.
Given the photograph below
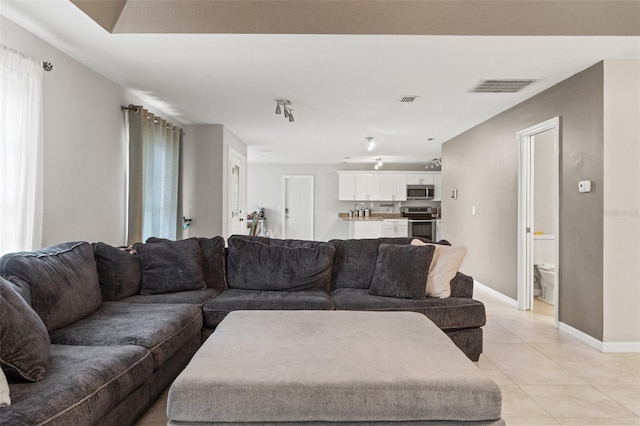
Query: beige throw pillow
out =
(445, 264)
(4, 390)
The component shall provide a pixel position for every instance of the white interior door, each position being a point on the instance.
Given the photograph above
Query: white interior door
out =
(236, 223)
(297, 199)
(526, 139)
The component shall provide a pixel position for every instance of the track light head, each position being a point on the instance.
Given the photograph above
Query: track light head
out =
(278, 110)
(286, 113)
(290, 117)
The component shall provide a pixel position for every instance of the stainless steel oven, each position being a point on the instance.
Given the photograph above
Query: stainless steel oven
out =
(421, 222)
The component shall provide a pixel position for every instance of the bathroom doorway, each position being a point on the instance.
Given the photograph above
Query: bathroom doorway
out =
(538, 218)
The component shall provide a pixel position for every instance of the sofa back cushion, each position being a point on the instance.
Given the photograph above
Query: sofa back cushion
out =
(24, 341)
(63, 281)
(355, 260)
(280, 266)
(213, 262)
(170, 266)
(118, 272)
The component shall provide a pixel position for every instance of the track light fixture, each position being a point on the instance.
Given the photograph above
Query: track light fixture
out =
(435, 163)
(378, 164)
(371, 144)
(284, 104)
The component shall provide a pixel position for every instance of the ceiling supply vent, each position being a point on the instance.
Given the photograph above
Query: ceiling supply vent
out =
(408, 99)
(501, 85)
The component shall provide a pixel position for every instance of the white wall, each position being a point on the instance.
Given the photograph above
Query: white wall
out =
(265, 190)
(544, 183)
(622, 202)
(84, 157)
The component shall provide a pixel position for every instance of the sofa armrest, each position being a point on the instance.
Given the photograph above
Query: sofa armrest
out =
(462, 286)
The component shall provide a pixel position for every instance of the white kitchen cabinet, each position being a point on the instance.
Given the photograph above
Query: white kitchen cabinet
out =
(367, 186)
(420, 178)
(437, 187)
(395, 228)
(365, 229)
(347, 187)
(393, 187)
(438, 235)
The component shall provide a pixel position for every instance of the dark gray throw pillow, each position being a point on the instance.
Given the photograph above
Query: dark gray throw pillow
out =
(118, 272)
(62, 279)
(24, 341)
(170, 266)
(253, 265)
(401, 271)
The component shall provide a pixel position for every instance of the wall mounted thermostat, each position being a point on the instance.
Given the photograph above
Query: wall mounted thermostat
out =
(584, 186)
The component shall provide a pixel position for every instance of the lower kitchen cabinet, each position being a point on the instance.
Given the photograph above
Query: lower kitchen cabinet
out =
(395, 228)
(365, 229)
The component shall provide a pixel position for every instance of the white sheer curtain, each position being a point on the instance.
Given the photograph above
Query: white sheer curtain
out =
(154, 158)
(20, 151)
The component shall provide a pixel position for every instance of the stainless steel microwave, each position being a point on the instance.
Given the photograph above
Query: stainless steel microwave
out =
(420, 192)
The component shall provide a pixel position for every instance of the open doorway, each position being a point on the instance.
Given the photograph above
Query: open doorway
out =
(538, 218)
(297, 214)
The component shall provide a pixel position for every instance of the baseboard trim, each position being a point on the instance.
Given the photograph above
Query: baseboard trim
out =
(581, 336)
(621, 347)
(608, 347)
(496, 294)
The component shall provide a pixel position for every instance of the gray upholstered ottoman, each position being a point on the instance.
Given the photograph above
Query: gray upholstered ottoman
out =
(331, 366)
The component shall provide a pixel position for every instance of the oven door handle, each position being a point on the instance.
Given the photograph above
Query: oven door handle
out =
(420, 221)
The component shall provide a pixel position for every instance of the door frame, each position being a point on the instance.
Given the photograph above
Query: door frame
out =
(283, 212)
(525, 211)
(232, 156)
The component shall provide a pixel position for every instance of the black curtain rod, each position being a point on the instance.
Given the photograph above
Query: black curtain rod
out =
(137, 108)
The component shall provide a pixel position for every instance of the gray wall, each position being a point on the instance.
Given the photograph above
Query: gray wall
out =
(202, 179)
(84, 158)
(482, 164)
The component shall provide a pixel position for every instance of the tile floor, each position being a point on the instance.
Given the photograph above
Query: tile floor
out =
(546, 377)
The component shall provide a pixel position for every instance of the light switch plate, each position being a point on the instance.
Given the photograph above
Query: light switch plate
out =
(584, 186)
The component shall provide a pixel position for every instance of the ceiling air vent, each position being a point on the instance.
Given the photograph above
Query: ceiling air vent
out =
(501, 85)
(408, 99)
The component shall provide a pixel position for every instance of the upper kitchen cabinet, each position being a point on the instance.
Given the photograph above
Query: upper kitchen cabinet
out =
(393, 187)
(367, 187)
(437, 187)
(420, 178)
(347, 187)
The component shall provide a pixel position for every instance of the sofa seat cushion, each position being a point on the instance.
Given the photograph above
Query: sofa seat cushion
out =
(194, 297)
(449, 313)
(81, 386)
(236, 300)
(160, 328)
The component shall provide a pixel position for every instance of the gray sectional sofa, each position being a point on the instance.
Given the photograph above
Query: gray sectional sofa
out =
(92, 334)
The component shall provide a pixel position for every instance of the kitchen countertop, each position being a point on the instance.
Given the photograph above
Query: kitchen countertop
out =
(373, 217)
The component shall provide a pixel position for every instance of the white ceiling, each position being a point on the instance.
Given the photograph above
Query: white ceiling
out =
(343, 88)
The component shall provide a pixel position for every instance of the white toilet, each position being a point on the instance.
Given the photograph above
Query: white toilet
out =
(544, 262)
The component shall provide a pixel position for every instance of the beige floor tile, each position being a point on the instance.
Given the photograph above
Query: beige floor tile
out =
(156, 415)
(516, 403)
(575, 401)
(570, 350)
(627, 395)
(498, 334)
(523, 374)
(542, 335)
(493, 372)
(581, 421)
(499, 353)
(604, 373)
(530, 421)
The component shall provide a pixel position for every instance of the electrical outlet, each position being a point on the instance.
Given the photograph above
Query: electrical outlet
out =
(584, 186)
